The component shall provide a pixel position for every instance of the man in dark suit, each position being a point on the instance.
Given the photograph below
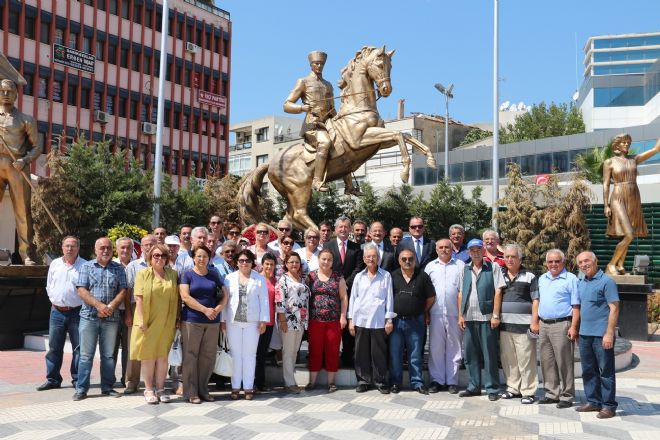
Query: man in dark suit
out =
(423, 247)
(347, 260)
(385, 249)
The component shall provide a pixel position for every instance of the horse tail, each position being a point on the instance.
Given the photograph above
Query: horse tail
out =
(248, 192)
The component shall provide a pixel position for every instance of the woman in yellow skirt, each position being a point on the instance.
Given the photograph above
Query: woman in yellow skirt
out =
(156, 318)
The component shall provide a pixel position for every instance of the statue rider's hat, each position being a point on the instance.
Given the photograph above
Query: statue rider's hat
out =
(317, 55)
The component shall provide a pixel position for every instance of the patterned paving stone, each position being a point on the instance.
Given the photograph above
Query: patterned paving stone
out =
(435, 417)
(225, 414)
(359, 410)
(233, 432)
(290, 405)
(7, 429)
(301, 421)
(384, 430)
(156, 426)
(75, 435)
(82, 419)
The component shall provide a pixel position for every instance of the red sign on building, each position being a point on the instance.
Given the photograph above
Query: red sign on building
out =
(209, 98)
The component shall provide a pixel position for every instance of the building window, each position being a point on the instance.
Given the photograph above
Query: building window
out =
(112, 53)
(560, 161)
(239, 165)
(112, 6)
(125, 8)
(43, 88)
(137, 14)
(177, 74)
(135, 105)
(186, 77)
(72, 93)
(73, 40)
(185, 121)
(30, 25)
(146, 64)
(456, 172)
(527, 165)
(100, 4)
(147, 19)
(45, 33)
(122, 106)
(13, 21)
(619, 96)
(136, 61)
(143, 114)
(87, 44)
(84, 97)
(262, 134)
(97, 100)
(485, 170)
(123, 57)
(159, 22)
(179, 30)
(59, 36)
(109, 104)
(99, 51)
(28, 89)
(261, 159)
(57, 91)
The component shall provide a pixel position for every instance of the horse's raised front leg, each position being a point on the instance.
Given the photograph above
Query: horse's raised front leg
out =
(389, 138)
(423, 149)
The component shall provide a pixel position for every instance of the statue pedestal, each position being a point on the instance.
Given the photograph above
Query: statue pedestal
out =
(633, 292)
(24, 304)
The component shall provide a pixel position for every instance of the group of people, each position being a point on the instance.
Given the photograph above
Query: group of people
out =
(364, 303)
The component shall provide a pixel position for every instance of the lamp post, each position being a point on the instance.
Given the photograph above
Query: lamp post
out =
(448, 95)
(496, 114)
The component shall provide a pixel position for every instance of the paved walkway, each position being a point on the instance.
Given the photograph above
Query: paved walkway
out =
(27, 414)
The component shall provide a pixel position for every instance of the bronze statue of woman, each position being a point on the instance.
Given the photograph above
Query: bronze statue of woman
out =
(624, 209)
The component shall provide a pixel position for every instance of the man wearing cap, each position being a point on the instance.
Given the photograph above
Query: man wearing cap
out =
(480, 302)
(179, 262)
(317, 101)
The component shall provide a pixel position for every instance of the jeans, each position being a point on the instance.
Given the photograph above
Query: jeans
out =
(60, 324)
(91, 331)
(408, 333)
(598, 372)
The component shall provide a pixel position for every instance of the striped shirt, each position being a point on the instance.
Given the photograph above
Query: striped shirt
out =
(517, 298)
(104, 283)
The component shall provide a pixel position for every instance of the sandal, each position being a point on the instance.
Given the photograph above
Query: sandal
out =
(508, 395)
(163, 396)
(528, 400)
(332, 388)
(234, 394)
(150, 397)
(194, 400)
(249, 394)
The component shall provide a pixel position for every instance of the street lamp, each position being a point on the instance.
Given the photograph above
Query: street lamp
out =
(448, 95)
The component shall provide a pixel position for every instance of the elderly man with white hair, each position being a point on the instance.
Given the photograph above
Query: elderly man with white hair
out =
(599, 313)
(519, 328)
(492, 251)
(559, 313)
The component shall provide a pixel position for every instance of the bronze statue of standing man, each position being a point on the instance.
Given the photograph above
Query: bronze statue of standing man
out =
(623, 209)
(317, 101)
(19, 135)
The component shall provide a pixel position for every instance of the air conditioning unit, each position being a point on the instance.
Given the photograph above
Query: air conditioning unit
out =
(192, 47)
(101, 117)
(148, 128)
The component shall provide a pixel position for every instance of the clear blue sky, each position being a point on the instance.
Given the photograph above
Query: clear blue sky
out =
(435, 41)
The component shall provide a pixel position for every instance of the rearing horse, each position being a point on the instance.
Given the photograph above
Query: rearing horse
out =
(357, 131)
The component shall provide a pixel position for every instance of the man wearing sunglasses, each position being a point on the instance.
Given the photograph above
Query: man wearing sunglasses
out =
(423, 247)
(216, 229)
(285, 228)
(414, 296)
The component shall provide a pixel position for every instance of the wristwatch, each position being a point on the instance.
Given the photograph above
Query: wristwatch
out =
(496, 317)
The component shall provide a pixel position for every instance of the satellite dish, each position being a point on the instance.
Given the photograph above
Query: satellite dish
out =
(504, 106)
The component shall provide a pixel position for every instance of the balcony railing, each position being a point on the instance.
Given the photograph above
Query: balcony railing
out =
(243, 146)
(210, 8)
(285, 138)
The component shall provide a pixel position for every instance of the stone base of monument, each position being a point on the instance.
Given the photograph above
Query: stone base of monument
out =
(24, 304)
(633, 292)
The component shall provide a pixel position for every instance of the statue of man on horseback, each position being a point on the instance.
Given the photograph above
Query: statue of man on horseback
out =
(317, 98)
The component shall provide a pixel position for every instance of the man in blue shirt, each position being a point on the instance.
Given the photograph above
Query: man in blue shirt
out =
(102, 287)
(459, 249)
(559, 313)
(599, 312)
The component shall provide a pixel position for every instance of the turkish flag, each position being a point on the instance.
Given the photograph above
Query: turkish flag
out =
(542, 179)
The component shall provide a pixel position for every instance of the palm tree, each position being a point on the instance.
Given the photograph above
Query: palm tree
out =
(591, 163)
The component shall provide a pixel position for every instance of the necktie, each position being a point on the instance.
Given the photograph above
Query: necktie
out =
(418, 250)
(342, 252)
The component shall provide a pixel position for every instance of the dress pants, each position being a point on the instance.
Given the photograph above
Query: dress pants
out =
(557, 360)
(371, 356)
(243, 341)
(290, 345)
(347, 348)
(130, 369)
(200, 347)
(481, 347)
(445, 344)
(598, 372)
(262, 352)
(61, 324)
(518, 356)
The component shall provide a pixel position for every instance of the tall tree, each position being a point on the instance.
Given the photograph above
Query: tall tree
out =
(575, 203)
(544, 121)
(590, 164)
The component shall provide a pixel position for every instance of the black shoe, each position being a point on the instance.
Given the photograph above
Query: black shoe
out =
(453, 389)
(422, 390)
(383, 389)
(493, 397)
(468, 393)
(395, 389)
(564, 404)
(362, 388)
(111, 393)
(48, 386)
(79, 396)
(434, 387)
(547, 401)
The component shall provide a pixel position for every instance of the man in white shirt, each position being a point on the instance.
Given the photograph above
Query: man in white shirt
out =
(445, 336)
(124, 247)
(64, 313)
(132, 371)
(184, 237)
(125, 254)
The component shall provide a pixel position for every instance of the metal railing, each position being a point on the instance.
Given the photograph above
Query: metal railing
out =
(210, 8)
(243, 146)
(285, 138)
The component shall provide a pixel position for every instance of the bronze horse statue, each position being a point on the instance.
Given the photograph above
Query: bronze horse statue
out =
(357, 132)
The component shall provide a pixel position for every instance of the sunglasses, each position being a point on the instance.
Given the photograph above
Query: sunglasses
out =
(284, 229)
(214, 223)
(416, 226)
(287, 243)
(159, 256)
(244, 261)
(407, 259)
(312, 237)
(234, 232)
(262, 232)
